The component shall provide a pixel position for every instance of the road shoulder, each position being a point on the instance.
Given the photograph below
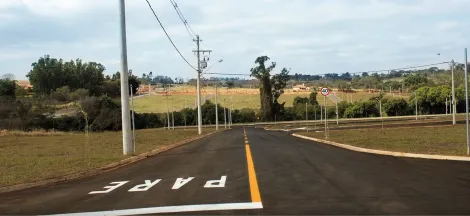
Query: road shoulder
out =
(382, 152)
(96, 171)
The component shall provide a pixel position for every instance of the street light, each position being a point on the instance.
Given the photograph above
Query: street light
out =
(221, 60)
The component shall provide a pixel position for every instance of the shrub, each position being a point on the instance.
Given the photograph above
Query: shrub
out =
(61, 94)
(79, 94)
(396, 107)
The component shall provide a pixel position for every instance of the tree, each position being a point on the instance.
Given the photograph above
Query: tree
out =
(262, 73)
(278, 83)
(49, 74)
(362, 109)
(134, 84)
(116, 76)
(416, 81)
(396, 107)
(312, 99)
(46, 74)
(230, 84)
(300, 101)
(7, 87)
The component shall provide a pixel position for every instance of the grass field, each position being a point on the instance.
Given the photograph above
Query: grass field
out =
(442, 140)
(158, 103)
(27, 157)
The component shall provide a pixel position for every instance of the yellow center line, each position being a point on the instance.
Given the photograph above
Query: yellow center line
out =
(254, 189)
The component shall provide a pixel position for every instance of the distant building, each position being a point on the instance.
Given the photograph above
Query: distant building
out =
(25, 84)
(300, 88)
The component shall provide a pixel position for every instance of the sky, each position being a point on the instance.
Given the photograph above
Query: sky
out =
(307, 36)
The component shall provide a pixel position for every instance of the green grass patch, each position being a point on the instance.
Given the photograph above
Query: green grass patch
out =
(28, 157)
(441, 140)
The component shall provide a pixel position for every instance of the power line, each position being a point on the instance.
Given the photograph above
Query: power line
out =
(185, 22)
(150, 6)
(412, 67)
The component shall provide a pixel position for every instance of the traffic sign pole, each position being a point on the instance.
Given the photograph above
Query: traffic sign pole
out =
(325, 91)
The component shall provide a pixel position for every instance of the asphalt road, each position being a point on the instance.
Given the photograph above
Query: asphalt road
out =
(290, 176)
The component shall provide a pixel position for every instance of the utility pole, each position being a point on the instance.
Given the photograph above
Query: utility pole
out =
(454, 107)
(315, 115)
(231, 119)
(125, 116)
(381, 116)
(416, 106)
(466, 101)
(199, 71)
(446, 107)
(321, 114)
(337, 114)
(225, 116)
(167, 112)
(216, 111)
(133, 119)
(150, 84)
(306, 115)
(172, 115)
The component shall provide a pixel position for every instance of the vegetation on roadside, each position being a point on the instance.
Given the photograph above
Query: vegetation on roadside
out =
(28, 157)
(442, 140)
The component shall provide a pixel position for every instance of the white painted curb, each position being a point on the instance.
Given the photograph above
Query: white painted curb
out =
(382, 152)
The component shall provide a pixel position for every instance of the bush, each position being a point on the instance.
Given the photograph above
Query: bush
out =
(68, 123)
(61, 94)
(102, 113)
(79, 94)
(396, 107)
(247, 115)
(362, 109)
(148, 120)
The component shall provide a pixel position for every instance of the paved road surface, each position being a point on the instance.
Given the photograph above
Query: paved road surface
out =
(291, 176)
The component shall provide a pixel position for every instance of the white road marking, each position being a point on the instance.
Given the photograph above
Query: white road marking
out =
(144, 187)
(171, 209)
(216, 183)
(110, 188)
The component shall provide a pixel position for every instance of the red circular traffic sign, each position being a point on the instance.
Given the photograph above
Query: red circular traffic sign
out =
(325, 91)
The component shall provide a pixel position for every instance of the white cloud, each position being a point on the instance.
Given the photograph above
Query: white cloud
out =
(447, 25)
(306, 35)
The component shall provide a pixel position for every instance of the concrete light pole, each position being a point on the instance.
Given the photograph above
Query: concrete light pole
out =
(216, 111)
(133, 119)
(306, 115)
(225, 115)
(454, 105)
(125, 111)
(466, 101)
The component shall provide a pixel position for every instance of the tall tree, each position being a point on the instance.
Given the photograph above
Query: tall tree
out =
(271, 88)
(262, 73)
(46, 74)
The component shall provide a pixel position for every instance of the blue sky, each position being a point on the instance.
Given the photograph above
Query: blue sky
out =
(308, 36)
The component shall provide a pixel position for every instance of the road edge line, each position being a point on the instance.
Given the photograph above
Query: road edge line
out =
(172, 209)
(383, 152)
(100, 170)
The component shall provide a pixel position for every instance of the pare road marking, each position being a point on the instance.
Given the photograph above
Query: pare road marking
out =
(179, 183)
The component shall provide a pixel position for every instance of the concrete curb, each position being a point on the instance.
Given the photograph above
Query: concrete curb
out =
(96, 171)
(389, 153)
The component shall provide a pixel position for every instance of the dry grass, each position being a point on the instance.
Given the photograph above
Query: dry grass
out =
(27, 157)
(158, 103)
(38, 132)
(442, 140)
